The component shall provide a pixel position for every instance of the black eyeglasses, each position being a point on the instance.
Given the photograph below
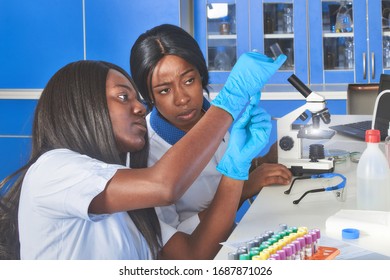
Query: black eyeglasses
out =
(339, 187)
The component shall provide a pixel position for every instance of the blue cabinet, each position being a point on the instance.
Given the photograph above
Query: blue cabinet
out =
(331, 61)
(267, 26)
(113, 26)
(221, 27)
(278, 24)
(36, 39)
(319, 51)
(39, 37)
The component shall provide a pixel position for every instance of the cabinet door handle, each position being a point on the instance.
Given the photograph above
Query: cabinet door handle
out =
(364, 67)
(373, 65)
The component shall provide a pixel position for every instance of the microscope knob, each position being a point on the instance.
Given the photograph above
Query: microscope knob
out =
(286, 143)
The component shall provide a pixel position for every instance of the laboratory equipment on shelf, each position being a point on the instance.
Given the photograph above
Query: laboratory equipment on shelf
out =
(290, 139)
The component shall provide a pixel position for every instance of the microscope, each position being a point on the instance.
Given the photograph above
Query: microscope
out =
(290, 148)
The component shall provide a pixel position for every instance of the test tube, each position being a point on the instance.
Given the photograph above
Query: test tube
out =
(265, 236)
(302, 242)
(250, 244)
(275, 256)
(314, 239)
(263, 256)
(273, 248)
(288, 252)
(318, 231)
(233, 256)
(245, 257)
(257, 241)
(272, 240)
(294, 229)
(298, 250)
(293, 251)
(263, 246)
(293, 236)
(282, 254)
(302, 231)
(241, 251)
(269, 233)
(282, 227)
(308, 246)
(254, 251)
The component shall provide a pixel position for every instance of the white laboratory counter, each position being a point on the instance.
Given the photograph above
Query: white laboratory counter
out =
(272, 207)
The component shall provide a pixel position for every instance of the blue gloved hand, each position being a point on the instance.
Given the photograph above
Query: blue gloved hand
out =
(248, 76)
(248, 137)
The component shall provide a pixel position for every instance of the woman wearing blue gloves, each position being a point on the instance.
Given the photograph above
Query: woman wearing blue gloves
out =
(76, 199)
(170, 71)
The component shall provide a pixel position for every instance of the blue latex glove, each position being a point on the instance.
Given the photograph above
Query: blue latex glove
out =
(248, 76)
(248, 137)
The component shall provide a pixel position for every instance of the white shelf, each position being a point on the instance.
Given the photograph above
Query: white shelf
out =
(279, 36)
(222, 37)
(337, 35)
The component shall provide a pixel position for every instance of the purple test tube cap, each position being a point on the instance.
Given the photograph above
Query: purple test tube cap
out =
(288, 251)
(282, 254)
(308, 239)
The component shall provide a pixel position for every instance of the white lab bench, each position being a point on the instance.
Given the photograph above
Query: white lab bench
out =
(272, 207)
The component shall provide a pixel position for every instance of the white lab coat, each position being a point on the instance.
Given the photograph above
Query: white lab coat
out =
(54, 222)
(183, 215)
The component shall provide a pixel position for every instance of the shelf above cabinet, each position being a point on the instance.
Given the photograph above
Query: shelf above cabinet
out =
(279, 36)
(222, 37)
(337, 35)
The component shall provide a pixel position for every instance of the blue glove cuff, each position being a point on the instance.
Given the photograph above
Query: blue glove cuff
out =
(230, 103)
(238, 171)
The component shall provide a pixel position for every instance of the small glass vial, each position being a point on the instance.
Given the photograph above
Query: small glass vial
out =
(288, 24)
(222, 60)
(288, 252)
(255, 251)
(282, 254)
(302, 242)
(268, 25)
(298, 250)
(245, 257)
(233, 256)
(318, 232)
(308, 246)
(314, 244)
(386, 54)
(293, 251)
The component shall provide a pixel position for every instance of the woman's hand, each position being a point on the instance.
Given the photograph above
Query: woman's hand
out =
(265, 175)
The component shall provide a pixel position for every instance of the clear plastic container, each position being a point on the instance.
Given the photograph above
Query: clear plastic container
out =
(373, 176)
(343, 18)
(222, 61)
(386, 54)
(348, 53)
(288, 25)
